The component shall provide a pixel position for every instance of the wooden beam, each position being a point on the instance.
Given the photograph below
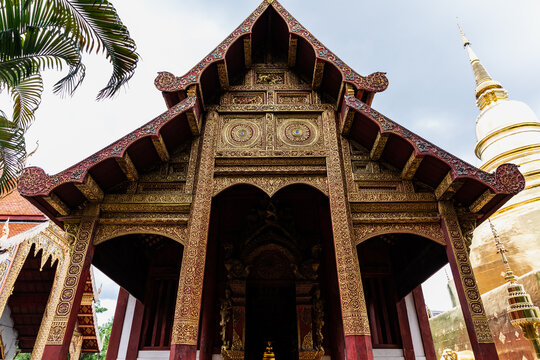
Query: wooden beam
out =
(411, 166)
(378, 146)
(318, 72)
(128, 168)
(90, 189)
(161, 149)
(293, 45)
(223, 75)
(350, 90)
(482, 201)
(447, 188)
(191, 91)
(57, 204)
(247, 51)
(347, 118)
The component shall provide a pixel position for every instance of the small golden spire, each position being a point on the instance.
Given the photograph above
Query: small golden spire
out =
(521, 310)
(502, 250)
(488, 91)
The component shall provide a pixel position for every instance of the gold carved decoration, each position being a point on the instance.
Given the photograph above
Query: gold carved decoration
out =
(353, 306)
(271, 78)
(71, 282)
(467, 281)
(241, 133)
(188, 302)
(430, 231)
(106, 232)
(293, 98)
(271, 184)
(270, 136)
(251, 98)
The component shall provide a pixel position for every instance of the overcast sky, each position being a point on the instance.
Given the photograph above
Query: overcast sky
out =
(417, 43)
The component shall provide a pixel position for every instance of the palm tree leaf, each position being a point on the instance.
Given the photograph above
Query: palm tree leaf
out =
(44, 49)
(26, 97)
(12, 155)
(96, 25)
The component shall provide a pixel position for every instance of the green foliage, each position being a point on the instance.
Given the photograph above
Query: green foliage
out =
(36, 35)
(98, 308)
(23, 356)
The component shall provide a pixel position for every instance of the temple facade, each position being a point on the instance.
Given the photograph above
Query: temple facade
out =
(270, 210)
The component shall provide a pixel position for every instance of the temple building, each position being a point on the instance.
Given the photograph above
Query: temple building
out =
(507, 131)
(34, 258)
(270, 211)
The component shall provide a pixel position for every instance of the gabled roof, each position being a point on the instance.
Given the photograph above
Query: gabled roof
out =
(451, 177)
(272, 23)
(270, 26)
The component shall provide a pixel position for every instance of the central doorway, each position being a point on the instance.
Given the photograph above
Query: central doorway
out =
(271, 316)
(270, 275)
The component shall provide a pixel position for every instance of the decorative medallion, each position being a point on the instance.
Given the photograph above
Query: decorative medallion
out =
(240, 133)
(298, 132)
(509, 178)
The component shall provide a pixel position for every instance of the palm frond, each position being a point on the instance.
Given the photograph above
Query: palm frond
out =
(44, 49)
(26, 97)
(95, 24)
(12, 154)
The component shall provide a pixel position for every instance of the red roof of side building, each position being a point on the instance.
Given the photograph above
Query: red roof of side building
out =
(15, 204)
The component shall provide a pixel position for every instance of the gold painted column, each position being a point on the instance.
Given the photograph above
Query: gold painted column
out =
(54, 300)
(353, 305)
(80, 259)
(188, 301)
(469, 297)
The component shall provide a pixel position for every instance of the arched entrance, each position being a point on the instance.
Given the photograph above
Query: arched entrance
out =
(270, 276)
(28, 302)
(147, 267)
(392, 267)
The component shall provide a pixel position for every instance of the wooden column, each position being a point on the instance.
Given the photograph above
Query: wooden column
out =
(118, 324)
(353, 305)
(468, 294)
(80, 259)
(132, 352)
(208, 316)
(423, 321)
(405, 330)
(188, 302)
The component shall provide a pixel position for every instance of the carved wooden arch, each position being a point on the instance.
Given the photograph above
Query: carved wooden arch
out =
(106, 232)
(270, 185)
(429, 231)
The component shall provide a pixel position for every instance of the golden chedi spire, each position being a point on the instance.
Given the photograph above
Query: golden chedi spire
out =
(488, 91)
(521, 310)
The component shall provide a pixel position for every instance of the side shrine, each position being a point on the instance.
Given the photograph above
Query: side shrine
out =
(270, 210)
